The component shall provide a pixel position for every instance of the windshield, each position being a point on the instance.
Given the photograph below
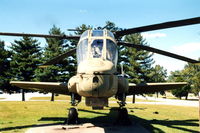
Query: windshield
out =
(111, 51)
(96, 48)
(82, 50)
(97, 33)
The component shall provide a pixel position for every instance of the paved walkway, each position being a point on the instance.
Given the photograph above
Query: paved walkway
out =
(88, 128)
(18, 97)
(158, 101)
(164, 101)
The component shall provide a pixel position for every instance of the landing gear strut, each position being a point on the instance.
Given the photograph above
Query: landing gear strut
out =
(122, 118)
(73, 113)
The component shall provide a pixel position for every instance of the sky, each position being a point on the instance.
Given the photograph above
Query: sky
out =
(38, 16)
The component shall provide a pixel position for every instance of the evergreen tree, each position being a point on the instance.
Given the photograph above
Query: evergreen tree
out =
(158, 74)
(178, 76)
(137, 63)
(25, 59)
(4, 68)
(62, 71)
(191, 73)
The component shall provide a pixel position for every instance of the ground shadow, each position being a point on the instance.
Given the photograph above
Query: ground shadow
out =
(107, 120)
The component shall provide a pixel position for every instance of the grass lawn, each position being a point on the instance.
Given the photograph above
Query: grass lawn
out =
(65, 97)
(18, 116)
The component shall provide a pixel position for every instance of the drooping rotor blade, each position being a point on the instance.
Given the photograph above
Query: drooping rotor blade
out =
(40, 35)
(76, 30)
(59, 58)
(165, 25)
(158, 51)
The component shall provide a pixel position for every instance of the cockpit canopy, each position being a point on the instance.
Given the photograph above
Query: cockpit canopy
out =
(97, 44)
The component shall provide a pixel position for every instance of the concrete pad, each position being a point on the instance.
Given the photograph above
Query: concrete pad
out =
(88, 128)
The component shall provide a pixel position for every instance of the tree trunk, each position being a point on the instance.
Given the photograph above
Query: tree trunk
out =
(186, 97)
(157, 94)
(133, 101)
(23, 95)
(52, 97)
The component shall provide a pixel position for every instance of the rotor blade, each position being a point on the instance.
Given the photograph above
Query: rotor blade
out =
(158, 51)
(40, 35)
(59, 58)
(165, 25)
(76, 30)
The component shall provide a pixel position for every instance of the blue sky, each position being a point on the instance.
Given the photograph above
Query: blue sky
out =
(38, 16)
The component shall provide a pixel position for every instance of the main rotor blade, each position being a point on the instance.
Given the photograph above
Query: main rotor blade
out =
(165, 25)
(59, 58)
(158, 51)
(40, 35)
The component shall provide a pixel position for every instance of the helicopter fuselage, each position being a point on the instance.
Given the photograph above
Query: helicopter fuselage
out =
(97, 78)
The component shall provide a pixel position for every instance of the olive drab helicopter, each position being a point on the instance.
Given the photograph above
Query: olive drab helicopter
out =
(97, 78)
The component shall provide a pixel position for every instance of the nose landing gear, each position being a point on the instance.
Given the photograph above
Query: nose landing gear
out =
(122, 118)
(73, 113)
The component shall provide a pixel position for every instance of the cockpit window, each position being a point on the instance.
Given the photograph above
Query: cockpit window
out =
(96, 48)
(82, 50)
(111, 51)
(97, 33)
(85, 34)
(110, 34)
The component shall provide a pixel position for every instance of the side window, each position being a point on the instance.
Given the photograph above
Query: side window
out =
(111, 51)
(82, 50)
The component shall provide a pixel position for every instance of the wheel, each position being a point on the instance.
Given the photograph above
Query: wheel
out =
(123, 118)
(72, 116)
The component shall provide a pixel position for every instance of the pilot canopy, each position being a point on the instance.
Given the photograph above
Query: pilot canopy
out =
(96, 44)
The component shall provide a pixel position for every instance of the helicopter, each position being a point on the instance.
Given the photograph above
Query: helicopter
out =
(97, 78)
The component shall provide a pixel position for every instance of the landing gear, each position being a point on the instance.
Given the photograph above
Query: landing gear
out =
(72, 116)
(122, 118)
(73, 113)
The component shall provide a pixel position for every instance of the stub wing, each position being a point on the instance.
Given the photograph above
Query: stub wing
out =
(153, 87)
(54, 87)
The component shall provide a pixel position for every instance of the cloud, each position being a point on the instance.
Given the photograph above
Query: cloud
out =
(83, 11)
(187, 48)
(168, 63)
(153, 35)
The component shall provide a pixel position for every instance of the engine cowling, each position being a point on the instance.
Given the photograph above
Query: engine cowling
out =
(72, 84)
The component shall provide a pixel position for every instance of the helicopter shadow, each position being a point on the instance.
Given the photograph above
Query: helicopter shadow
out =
(107, 122)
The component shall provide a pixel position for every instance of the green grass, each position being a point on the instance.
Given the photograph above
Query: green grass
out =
(59, 97)
(64, 97)
(18, 116)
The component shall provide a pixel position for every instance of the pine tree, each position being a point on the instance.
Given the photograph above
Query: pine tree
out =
(4, 68)
(62, 71)
(25, 59)
(137, 63)
(158, 74)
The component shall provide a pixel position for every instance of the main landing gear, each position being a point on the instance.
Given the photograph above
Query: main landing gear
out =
(122, 118)
(73, 113)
